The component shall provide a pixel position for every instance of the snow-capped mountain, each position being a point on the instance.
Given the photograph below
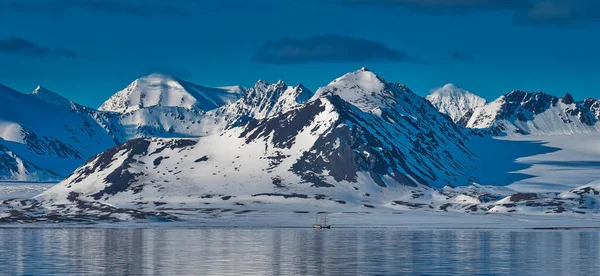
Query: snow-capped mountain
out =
(537, 113)
(455, 102)
(163, 90)
(46, 131)
(42, 130)
(360, 140)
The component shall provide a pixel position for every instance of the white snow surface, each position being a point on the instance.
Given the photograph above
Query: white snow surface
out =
(163, 90)
(454, 101)
(361, 88)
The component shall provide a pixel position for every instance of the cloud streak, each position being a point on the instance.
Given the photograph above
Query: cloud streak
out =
(460, 56)
(107, 6)
(20, 46)
(538, 12)
(326, 49)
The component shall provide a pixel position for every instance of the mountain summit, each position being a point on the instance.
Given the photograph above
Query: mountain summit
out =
(163, 90)
(455, 102)
(50, 97)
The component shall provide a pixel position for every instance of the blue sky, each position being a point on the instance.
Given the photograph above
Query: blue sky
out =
(87, 50)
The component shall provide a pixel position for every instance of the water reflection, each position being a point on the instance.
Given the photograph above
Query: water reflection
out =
(296, 252)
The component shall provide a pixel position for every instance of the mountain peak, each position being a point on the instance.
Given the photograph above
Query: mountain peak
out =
(265, 100)
(362, 88)
(163, 90)
(50, 97)
(568, 99)
(454, 101)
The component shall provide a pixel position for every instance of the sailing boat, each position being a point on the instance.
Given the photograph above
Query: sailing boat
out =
(323, 223)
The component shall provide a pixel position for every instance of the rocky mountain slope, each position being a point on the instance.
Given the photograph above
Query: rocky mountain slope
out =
(537, 113)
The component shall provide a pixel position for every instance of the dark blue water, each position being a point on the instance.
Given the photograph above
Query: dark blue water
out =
(297, 252)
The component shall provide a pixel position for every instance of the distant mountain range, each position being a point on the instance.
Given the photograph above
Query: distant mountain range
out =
(360, 140)
(519, 112)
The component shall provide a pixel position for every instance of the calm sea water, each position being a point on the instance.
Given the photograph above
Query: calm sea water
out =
(297, 252)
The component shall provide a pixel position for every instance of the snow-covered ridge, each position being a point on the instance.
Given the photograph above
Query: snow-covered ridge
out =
(521, 112)
(163, 90)
(50, 97)
(455, 102)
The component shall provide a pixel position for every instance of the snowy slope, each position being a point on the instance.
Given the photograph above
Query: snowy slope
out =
(13, 167)
(455, 102)
(162, 90)
(56, 137)
(537, 113)
(50, 97)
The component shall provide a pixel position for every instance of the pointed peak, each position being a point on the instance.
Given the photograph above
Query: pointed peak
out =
(364, 69)
(361, 77)
(454, 101)
(48, 96)
(41, 89)
(568, 99)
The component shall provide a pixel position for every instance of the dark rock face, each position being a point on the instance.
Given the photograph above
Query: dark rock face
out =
(568, 99)
(285, 127)
(173, 144)
(593, 106)
(465, 118)
(201, 159)
(526, 104)
(121, 178)
(523, 197)
(158, 160)
(344, 151)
